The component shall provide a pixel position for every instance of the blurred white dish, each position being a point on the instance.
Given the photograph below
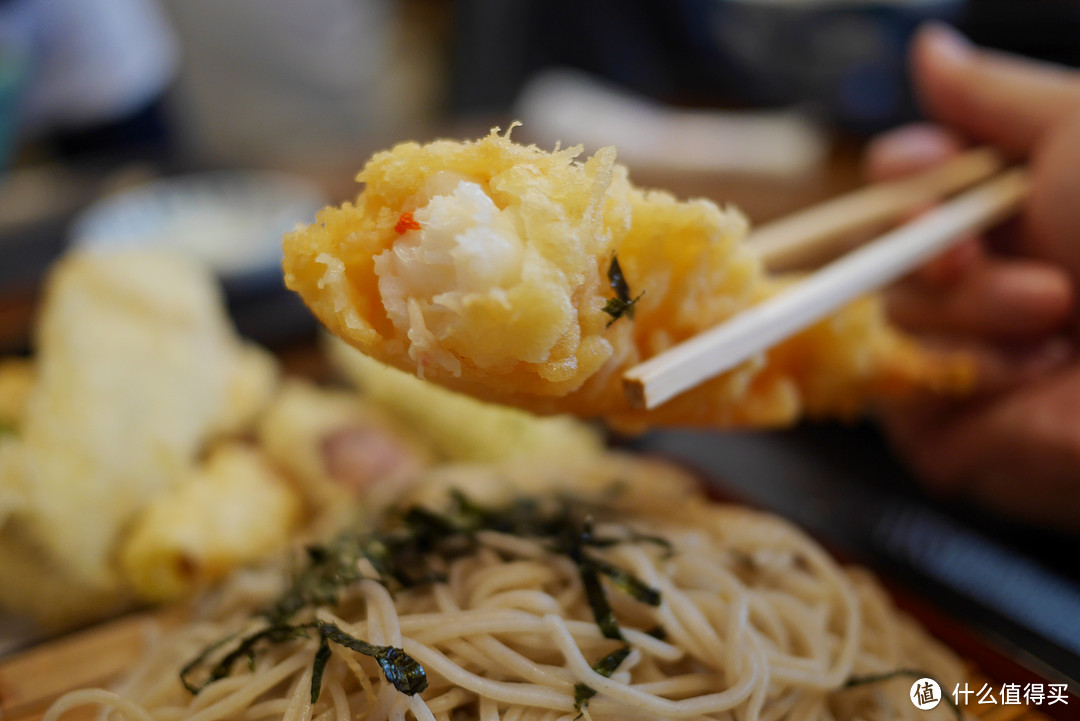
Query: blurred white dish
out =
(231, 220)
(573, 107)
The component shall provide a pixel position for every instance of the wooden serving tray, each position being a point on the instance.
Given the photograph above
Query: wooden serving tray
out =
(30, 681)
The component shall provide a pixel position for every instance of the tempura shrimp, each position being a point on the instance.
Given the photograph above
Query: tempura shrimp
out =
(535, 279)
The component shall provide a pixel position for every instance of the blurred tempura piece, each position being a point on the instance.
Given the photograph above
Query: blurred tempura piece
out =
(461, 428)
(337, 447)
(134, 360)
(536, 279)
(253, 382)
(229, 511)
(16, 379)
(137, 368)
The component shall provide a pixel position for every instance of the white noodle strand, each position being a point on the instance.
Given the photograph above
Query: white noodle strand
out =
(755, 623)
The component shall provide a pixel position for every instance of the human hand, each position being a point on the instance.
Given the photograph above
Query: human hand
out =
(1007, 298)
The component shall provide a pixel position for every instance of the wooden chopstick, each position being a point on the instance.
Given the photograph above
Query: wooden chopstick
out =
(872, 266)
(820, 232)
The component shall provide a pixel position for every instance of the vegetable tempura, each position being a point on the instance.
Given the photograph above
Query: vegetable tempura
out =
(535, 279)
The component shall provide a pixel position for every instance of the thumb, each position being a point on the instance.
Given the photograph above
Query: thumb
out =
(997, 98)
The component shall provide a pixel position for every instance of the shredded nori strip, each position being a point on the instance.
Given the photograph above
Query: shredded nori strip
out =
(856, 681)
(400, 669)
(245, 648)
(622, 304)
(627, 582)
(322, 656)
(605, 667)
(200, 659)
(403, 671)
(572, 541)
(658, 633)
(663, 543)
(402, 556)
(598, 602)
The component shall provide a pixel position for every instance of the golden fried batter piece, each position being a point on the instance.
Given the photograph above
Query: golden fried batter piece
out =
(486, 266)
(233, 509)
(16, 380)
(137, 371)
(460, 428)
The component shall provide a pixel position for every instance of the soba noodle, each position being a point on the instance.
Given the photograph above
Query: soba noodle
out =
(755, 622)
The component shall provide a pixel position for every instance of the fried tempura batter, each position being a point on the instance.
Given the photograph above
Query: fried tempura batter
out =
(137, 370)
(485, 266)
(233, 509)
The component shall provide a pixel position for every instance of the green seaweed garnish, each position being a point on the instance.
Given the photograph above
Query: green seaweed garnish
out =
(408, 552)
(622, 304)
(605, 667)
(658, 633)
(322, 656)
(856, 681)
(573, 540)
(400, 669)
(598, 602)
(663, 543)
(330, 568)
(627, 582)
(244, 649)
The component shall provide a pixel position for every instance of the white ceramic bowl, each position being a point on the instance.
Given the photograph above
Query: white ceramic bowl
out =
(231, 220)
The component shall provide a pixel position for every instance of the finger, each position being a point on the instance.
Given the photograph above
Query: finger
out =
(1003, 369)
(1053, 213)
(910, 149)
(999, 371)
(998, 299)
(951, 266)
(1017, 454)
(994, 97)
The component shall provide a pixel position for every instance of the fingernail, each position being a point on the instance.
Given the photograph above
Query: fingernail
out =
(914, 148)
(945, 44)
(1046, 358)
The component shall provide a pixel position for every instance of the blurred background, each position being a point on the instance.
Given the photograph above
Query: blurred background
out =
(214, 125)
(761, 103)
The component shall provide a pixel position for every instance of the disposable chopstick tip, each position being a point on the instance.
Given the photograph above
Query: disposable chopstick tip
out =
(634, 388)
